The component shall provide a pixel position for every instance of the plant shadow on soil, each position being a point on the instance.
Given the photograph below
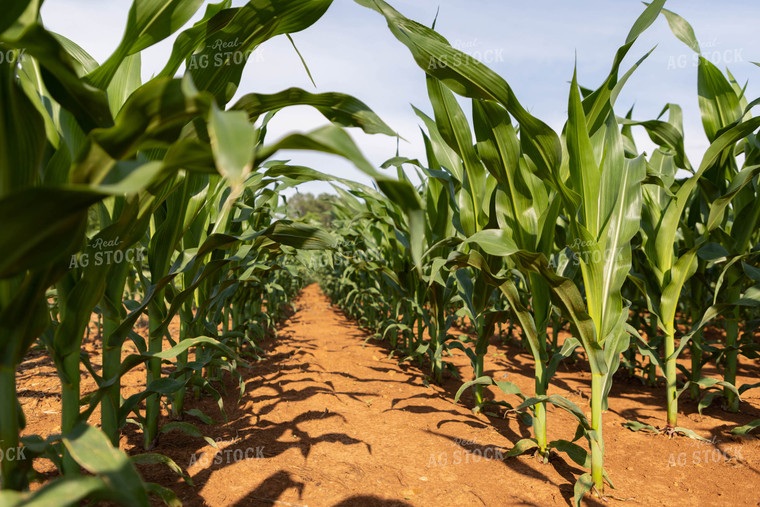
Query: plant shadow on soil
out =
(246, 434)
(650, 402)
(451, 386)
(270, 386)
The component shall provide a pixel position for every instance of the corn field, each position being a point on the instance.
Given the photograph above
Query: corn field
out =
(127, 206)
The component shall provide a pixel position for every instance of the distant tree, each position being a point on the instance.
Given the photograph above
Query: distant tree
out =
(307, 206)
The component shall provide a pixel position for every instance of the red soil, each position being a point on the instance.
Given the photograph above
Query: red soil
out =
(328, 420)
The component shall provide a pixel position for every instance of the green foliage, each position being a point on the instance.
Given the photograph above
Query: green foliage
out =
(160, 199)
(310, 208)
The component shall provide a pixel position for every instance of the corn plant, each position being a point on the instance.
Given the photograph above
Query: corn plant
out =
(726, 122)
(147, 155)
(512, 224)
(596, 201)
(603, 207)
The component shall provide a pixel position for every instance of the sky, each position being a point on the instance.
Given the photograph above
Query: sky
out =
(533, 45)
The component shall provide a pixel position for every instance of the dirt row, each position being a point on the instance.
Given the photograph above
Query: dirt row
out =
(329, 420)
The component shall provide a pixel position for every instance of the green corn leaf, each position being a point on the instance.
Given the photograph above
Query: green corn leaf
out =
(341, 109)
(689, 433)
(217, 67)
(638, 426)
(214, 19)
(707, 383)
(713, 252)
(300, 236)
(22, 135)
(83, 61)
(684, 268)
(584, 170)
(149, 22)
(577, 453)
(478, 381)
(521, 447)
(13, 10)
(664, 134)
(496, 242)
(52, 228)
(58, 493)
(598, 104)
(154, 114)
(168, 496)
(160, 459)
(86, 103)
(707, 400)
(719, 206)
(92, 450)
(200, 415)
(232, 142)
(332, 139)
(188, 429)
(126, 80)
(718, 101)
(674, 210)
(582, 486)
(568, 347)
(470, 78)
(453, 126)
(560, 402)
(682, 30)
(744, 430)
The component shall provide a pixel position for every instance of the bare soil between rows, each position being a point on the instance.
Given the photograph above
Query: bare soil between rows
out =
(329, 420)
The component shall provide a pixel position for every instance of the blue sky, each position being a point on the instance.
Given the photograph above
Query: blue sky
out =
(533, 45)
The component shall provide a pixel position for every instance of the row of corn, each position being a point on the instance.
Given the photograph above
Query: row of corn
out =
(160, 201)
(633, 254)
(124, 202)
